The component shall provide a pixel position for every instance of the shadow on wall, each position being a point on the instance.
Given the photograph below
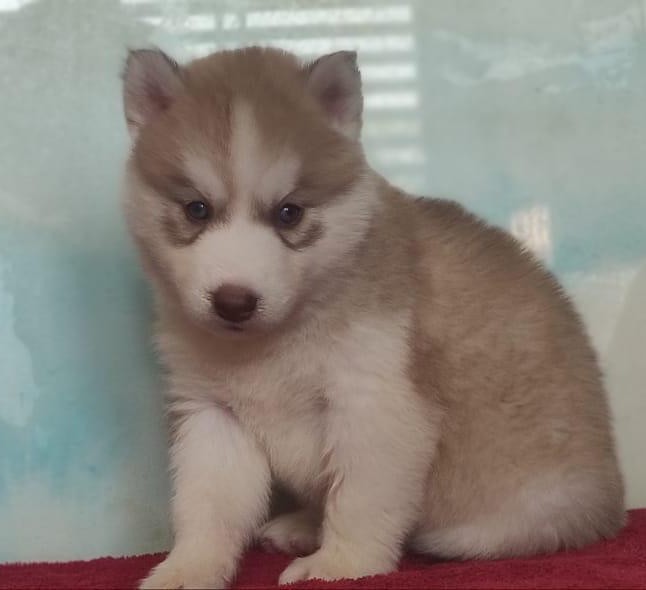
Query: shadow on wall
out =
(626, 360)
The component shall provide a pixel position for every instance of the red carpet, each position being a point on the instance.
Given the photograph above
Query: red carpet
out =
(620, 563)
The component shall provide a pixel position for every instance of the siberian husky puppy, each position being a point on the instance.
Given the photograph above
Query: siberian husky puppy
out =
(411, 374)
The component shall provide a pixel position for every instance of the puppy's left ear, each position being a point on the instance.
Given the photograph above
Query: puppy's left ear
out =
(334, 80)
(151, 81)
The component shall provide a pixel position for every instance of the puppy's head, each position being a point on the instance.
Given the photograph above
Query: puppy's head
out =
(247, 186)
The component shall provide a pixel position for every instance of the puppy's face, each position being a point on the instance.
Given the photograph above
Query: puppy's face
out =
(246, 187)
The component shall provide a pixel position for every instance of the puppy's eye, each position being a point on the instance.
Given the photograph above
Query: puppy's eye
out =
(289, 215)
(197, 210)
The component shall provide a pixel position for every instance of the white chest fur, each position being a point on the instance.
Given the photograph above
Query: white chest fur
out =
(277, 396)
(280, 400)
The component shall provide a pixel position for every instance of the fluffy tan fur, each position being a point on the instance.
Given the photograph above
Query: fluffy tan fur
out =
(411, 375)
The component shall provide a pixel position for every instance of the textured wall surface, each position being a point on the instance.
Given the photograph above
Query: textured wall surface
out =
(531, 112)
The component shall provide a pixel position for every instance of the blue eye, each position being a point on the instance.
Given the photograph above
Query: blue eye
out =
(289, 214)
(197, 210)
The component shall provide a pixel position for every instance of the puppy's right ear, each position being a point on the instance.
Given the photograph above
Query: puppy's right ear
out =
(151, 81)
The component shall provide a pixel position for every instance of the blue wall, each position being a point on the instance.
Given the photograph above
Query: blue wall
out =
(532, 113)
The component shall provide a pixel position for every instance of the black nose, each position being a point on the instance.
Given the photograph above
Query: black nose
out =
(234, 303)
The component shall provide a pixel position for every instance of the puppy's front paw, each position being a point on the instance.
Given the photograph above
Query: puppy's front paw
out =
(174, 573)
(295, 533)
(327, 565)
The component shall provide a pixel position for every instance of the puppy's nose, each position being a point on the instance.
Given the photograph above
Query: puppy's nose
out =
(234, 303)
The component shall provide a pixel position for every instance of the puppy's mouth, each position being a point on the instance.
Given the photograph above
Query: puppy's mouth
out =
(231, 327)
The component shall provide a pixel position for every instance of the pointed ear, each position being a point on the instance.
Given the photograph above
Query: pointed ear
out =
(151, 80)
(335, 82)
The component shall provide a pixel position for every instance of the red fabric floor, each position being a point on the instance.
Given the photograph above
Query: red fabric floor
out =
(620, 563)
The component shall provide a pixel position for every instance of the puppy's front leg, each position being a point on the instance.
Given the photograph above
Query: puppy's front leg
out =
(381, 437)
(221, 482)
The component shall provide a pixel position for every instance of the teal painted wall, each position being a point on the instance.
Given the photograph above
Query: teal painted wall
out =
(531, 112)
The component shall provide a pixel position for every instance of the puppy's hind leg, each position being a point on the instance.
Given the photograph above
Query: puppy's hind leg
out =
(545, 516)
(295, 533)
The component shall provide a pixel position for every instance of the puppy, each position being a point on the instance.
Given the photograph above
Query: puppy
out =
(412, 375)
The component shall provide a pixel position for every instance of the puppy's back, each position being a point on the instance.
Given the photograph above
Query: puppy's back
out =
(527, 432)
